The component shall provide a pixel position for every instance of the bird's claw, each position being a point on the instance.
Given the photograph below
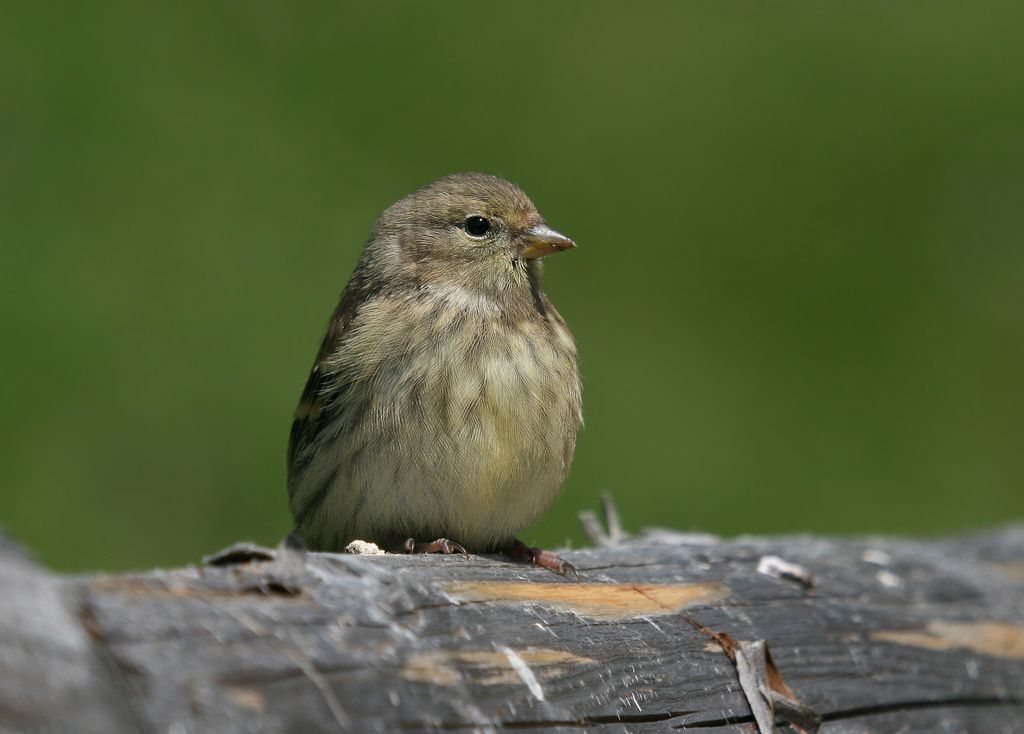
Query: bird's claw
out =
(520, 551)
(441, 545)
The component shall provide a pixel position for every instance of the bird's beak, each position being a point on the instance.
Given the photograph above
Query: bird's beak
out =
(541, 240)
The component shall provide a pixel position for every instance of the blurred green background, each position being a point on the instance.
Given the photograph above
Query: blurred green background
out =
(799, 291)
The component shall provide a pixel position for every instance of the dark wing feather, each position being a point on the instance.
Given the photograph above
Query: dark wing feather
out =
(306, 417)
(309, 415)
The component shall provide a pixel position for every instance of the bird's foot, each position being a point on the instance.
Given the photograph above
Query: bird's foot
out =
(441, 545)
(520, 551)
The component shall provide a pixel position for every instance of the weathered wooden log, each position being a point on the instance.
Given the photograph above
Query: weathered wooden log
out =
(872, 634)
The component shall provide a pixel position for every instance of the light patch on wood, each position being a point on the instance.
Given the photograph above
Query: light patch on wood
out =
(996, 639)
(489, 667)
(597, 601)
(1013, 570)
(245, 697)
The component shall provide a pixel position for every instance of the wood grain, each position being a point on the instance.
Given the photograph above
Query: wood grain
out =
(892, 636)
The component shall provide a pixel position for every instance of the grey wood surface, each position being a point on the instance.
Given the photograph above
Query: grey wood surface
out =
(886, 635)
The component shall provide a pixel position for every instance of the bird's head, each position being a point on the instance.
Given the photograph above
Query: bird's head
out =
(470, 230)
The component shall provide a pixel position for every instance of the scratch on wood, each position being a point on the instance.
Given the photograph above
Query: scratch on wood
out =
(996, 639)
(523, 671)
(596, 601)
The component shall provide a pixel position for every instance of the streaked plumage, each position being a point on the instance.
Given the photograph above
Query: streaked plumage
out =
(445, 399)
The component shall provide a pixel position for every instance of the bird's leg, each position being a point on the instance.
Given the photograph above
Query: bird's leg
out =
(520, 551)
(441, 545)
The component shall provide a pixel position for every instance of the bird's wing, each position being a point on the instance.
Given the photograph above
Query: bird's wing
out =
(309, 415)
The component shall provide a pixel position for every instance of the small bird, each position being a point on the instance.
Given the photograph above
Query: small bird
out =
(442, 410)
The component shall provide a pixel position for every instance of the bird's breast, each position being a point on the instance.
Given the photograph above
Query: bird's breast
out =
(468, 416)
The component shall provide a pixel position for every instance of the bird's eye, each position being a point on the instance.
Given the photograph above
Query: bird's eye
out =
(477, 226)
